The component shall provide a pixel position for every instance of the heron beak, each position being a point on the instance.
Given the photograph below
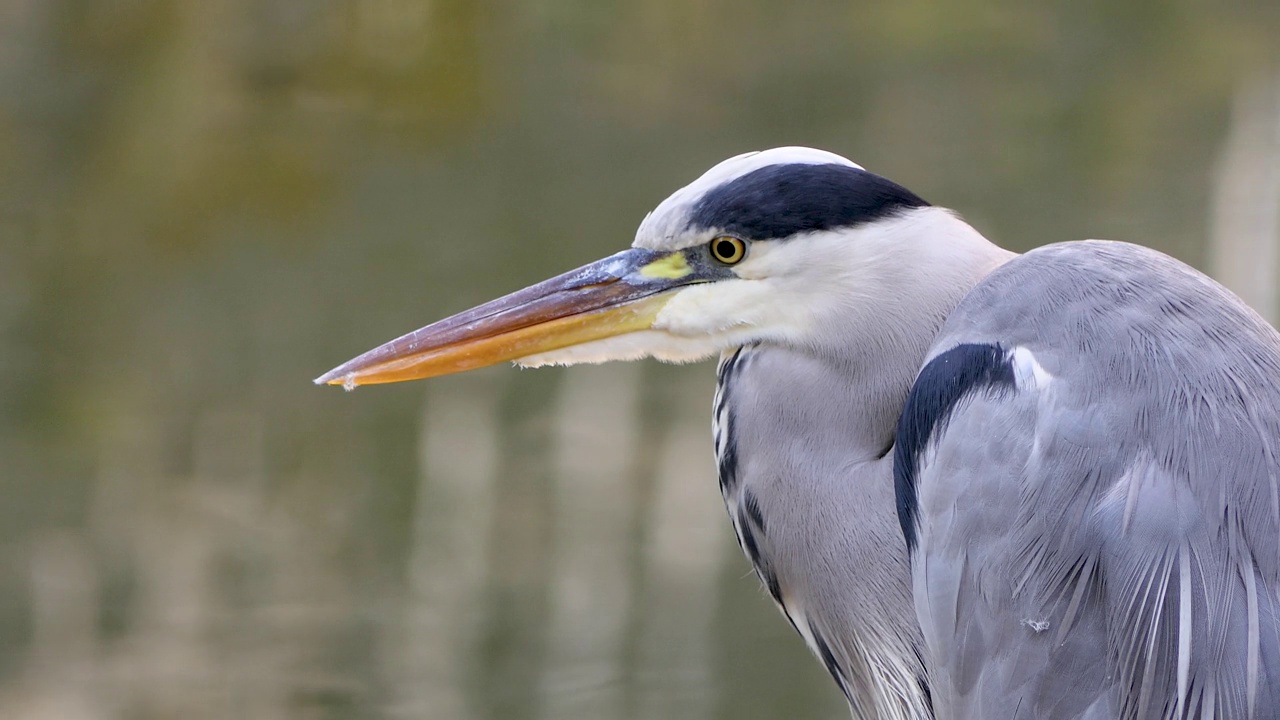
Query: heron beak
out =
(620, 294)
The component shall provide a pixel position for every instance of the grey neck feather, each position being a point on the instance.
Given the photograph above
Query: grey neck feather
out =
(812, 422)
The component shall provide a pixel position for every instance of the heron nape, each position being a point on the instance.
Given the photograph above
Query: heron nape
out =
(978, 484)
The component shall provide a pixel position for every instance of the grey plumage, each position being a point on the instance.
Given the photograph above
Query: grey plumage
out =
(1102, 542)
(837, 571)
(978, 485)
(1102, 546)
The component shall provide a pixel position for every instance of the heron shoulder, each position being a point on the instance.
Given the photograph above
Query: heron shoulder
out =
(946, 380)
(1135, 342)
(1136, 449)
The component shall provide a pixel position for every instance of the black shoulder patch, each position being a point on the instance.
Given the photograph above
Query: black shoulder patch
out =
(947, 379)
(779, 201)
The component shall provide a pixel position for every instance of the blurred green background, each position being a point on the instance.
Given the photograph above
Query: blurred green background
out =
(203, 205)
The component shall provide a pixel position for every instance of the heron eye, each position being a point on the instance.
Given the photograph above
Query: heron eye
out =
(728, 250)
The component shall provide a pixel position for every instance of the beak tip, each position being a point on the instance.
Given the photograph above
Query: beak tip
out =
(336, 377)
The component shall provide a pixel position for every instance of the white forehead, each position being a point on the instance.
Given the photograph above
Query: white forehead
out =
(664, 226)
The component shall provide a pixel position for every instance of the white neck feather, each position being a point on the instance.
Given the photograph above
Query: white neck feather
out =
(891, 284)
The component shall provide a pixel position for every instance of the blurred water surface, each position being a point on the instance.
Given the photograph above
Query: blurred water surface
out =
(204, 205)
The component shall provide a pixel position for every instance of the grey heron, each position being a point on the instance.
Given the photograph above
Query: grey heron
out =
(978, 484)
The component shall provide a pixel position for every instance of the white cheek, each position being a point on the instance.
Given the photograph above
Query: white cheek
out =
(768, 259)
(736, 308)
(701, 309)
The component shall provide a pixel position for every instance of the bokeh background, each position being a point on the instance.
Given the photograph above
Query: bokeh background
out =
(203, 205)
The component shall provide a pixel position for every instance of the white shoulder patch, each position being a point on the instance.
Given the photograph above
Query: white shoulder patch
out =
(1027, 371)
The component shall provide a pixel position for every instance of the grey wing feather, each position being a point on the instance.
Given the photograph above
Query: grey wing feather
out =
(1103, 541)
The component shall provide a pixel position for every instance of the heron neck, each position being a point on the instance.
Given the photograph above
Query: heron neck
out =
(911, 275)
(814, 426)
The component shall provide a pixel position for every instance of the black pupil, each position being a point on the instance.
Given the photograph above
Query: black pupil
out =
(726, 250)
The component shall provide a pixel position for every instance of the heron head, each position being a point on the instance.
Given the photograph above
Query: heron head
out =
(777, 246)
